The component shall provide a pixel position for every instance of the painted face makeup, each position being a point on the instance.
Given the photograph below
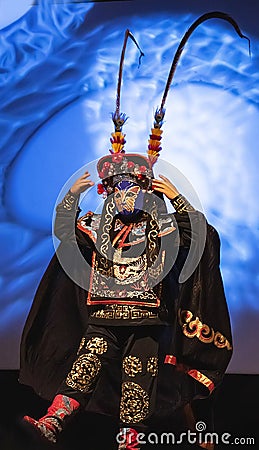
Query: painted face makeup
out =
(128, 197)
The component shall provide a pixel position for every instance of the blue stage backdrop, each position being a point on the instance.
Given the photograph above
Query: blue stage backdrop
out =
(58, 76)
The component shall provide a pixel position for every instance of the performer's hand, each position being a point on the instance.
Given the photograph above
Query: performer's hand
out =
(166, 187)
(81, 184)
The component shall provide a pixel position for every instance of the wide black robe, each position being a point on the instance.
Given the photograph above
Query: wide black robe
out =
(198, 345)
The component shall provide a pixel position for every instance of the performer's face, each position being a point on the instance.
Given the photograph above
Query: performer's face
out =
(128, 197)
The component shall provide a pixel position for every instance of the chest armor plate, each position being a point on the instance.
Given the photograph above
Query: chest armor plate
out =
(126, 281)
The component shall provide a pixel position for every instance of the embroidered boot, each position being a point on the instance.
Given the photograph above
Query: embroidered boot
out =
(53, 422)
(128, 439)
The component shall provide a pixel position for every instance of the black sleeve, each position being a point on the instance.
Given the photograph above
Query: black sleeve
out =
(181, 204)
(191, 223)
(66, 215)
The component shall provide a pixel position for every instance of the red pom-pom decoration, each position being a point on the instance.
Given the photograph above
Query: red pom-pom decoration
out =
(130, 164)
(142, 169)
(100, 189)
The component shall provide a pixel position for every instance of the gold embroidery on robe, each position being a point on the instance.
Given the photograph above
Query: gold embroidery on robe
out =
(97, 345)
(193, 327)
(132, 365)
(84, 372)
(134, 405)
(152, 366)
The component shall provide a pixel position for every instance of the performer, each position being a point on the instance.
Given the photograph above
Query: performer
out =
(130, 340)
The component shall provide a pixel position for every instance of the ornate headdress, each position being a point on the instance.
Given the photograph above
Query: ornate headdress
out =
(117, 165)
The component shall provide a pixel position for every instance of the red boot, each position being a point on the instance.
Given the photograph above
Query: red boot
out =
(52, 423)
(128, 439)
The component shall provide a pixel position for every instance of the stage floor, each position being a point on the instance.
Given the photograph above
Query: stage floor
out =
(234, 406)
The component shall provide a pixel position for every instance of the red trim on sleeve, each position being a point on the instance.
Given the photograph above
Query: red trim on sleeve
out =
(194, 373)
(198, 376)
(170, 359)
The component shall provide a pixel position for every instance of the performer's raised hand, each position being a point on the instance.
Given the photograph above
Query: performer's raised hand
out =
(166, 187)
(81, 184)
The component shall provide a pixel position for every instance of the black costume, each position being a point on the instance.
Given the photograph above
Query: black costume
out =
(120, 325)
(180, 338)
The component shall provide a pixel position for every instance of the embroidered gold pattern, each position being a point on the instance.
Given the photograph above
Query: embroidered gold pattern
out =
(107, 226)
(97, 345)
(140, 276)
(83, 372)
(140, 292)
(153, 234)
(132, 365)
(134, 405)
(124, 312)
(157, 268)
(152, 366)
(128, 270)
(220, 341)
(149, 297)
(82, 344)
(205, 333)
(102, 267)
(181, 204)
(68, 201)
